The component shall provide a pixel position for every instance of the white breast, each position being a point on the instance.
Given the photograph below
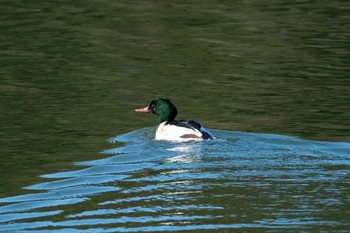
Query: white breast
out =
(176, 133)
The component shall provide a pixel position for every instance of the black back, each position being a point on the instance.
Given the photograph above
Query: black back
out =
(191, 125)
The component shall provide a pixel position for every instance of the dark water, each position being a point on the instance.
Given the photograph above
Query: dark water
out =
(72, 72)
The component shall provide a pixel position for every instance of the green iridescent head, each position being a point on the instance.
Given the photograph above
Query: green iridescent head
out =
(161, 107)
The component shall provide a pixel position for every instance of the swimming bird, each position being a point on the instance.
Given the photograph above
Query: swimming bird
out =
(174, 130)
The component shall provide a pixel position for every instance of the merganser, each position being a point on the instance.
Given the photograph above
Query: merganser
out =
(171, 129)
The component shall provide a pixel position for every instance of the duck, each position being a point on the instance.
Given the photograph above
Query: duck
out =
(170, 129)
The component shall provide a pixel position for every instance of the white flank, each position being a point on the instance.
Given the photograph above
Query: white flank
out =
(176, 133)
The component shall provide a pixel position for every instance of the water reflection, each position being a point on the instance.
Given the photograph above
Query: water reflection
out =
(148, 185)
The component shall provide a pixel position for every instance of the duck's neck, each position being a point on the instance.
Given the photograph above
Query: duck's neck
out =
(164, 119)
(168, 114)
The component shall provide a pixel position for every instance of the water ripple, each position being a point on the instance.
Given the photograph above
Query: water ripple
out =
(144, 185)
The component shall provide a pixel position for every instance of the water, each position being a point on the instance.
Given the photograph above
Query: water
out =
(72, 73)
(239, 180)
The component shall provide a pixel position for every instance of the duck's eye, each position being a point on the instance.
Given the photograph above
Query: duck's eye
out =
(152, 108)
